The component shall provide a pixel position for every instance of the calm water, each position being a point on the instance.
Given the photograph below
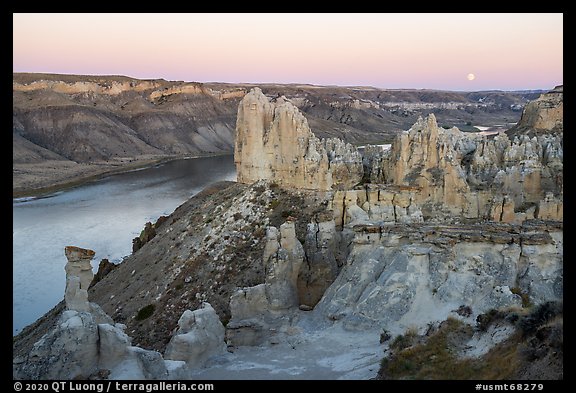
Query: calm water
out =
(103, 216)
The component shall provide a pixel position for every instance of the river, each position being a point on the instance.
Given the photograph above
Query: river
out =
(104, 216)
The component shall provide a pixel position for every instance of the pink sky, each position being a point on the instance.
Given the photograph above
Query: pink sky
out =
(435, 51)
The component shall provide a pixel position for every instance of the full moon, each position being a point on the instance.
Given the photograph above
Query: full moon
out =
(471, 77)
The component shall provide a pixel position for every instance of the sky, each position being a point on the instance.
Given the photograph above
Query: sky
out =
(451, 51)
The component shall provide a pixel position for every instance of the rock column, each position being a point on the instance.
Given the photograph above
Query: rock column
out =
(283, 256)
(274, 142)
(79, 275)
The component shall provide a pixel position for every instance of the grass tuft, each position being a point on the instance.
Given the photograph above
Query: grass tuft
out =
(145, 312)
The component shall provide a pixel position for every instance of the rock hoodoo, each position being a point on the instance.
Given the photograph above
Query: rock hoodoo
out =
(87, 343)
(79, 275)
(274, 142)
(266, 307)
(283, 257)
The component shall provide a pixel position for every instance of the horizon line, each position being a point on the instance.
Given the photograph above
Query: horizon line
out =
(351, 86)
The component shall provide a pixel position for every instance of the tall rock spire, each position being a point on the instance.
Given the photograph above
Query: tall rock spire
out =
(274, 142)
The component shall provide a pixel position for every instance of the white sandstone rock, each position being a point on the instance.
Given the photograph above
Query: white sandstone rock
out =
(200, 336)
(274, 142)
(79, 275)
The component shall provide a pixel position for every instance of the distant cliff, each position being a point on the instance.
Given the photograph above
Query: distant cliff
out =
(544, 115)
(86, 119)
(68, 127)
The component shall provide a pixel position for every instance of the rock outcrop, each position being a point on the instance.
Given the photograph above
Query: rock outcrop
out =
(69, 351)
(260, 310)
(546, 114)
(274, 142)
(104, 268)
(456, 174)
(87, 343)
(200, 336)
(251, 320)
(427, 157)
(408, 276)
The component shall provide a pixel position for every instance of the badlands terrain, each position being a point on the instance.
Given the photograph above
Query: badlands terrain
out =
(439, 258)
(68, 128)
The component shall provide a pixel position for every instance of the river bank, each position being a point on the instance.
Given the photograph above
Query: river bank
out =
(103, 215)
(38, 179)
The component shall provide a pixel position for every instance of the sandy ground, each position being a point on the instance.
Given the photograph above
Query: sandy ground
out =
(328, 354)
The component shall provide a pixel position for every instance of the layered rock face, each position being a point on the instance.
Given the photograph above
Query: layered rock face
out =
(375, 203)
(410, 275)
(283, 257)
(274, 142)
(90, 118)
(324, 257)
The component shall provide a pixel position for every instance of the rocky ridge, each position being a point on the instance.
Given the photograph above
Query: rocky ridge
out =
(402, 253)
(430, 172)
(433, 174)
(473, 176)
(401, 274)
